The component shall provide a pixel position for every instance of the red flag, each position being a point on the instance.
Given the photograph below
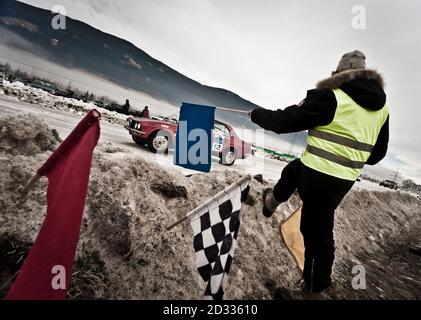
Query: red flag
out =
(46, 271)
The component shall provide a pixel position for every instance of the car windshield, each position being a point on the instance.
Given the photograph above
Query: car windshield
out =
(173, 118)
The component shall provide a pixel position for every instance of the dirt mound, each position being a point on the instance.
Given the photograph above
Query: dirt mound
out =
(125, 252)
(26, 135)
(129, 217)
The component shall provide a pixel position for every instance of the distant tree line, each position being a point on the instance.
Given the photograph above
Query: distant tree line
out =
(406, 184)
(366, 177)
(69, 91)
(410, 185)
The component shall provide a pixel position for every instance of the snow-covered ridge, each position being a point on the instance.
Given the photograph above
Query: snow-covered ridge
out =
(29, 94)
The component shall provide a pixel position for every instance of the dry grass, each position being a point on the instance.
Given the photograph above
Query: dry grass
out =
(89, 279)
(12, 254)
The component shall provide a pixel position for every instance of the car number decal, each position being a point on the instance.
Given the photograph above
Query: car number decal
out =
(217, 143)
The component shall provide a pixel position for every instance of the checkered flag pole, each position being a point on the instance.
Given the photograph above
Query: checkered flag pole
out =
(215, 226)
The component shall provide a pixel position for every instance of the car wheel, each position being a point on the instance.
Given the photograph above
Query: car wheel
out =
(228, 157)
(158, 143)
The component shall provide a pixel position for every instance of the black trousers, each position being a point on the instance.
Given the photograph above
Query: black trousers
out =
(321, 195)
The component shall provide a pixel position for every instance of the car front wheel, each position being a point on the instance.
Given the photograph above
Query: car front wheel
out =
(228, 157)
(158, 143)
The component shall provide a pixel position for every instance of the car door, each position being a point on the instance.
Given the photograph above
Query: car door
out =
(221, 135)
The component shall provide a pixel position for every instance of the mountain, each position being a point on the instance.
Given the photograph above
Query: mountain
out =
(82, 47)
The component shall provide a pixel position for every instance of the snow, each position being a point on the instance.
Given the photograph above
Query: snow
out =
(369, 185)
(35, 95)
(125, 218)
(67, 113)
(63, 117)
(82, 80)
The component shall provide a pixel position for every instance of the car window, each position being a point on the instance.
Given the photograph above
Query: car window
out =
(221, 129)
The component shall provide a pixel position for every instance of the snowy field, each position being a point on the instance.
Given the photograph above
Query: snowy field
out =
(65, 121)
(63, 114)
(79, 79)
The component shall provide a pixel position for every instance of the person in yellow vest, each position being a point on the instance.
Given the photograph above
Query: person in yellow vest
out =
(347, 119)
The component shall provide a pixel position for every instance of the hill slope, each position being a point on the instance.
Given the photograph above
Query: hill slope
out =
(84, 47)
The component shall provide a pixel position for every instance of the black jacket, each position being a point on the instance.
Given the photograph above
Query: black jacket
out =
(365, 87)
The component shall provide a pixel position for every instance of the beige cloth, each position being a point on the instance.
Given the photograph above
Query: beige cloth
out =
(290, 231)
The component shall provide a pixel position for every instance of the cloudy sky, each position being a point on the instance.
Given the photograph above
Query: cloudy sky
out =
(271, 52)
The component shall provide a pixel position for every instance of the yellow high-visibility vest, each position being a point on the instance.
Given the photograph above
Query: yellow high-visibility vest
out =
(341, 148)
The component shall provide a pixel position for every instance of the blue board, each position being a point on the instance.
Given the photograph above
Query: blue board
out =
(193, 149)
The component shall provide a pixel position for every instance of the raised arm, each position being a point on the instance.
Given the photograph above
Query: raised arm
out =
(317, 109)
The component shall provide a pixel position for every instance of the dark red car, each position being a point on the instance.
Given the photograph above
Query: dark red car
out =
(159, 134)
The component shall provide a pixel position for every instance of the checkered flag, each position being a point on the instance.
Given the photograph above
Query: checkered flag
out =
(215, 229)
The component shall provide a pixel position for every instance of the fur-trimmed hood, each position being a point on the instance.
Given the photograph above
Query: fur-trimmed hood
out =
(364, 86)
(339, 79)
